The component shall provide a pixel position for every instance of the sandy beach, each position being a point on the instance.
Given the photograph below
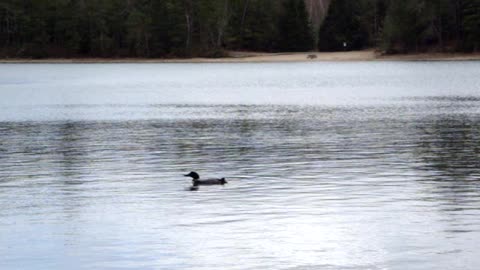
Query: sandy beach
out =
(256, 57)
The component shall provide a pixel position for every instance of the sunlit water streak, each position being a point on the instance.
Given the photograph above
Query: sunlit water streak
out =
(330, 166)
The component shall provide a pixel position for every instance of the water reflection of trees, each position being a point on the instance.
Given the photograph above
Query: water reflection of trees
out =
(71, 151)
(450, 147)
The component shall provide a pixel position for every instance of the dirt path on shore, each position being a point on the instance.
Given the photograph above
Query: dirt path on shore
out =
(254, 57)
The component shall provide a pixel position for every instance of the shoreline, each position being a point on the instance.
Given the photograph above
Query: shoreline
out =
(255, 57)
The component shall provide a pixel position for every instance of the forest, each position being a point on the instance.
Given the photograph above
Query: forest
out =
(210, 28)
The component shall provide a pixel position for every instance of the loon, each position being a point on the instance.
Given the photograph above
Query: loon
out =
(207, 182)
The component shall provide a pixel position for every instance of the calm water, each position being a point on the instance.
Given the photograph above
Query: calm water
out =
(330, 166)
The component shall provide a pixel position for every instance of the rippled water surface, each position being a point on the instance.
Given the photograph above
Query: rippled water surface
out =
(330, 166)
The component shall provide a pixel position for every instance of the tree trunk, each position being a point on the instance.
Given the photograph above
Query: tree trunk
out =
(222, 25)
(147, 46)
(189, 22)
(244, 15)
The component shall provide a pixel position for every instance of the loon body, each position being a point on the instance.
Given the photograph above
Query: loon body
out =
(196, 181)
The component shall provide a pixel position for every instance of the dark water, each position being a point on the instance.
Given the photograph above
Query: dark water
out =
(330, 166)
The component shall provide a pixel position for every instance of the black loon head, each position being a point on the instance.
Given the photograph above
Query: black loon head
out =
(194, 175)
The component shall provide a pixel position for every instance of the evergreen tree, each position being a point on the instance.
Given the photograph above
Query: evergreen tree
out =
(168, 28)
(213, 17)
(343, 26)
(253, 25)
(295, 30)
(138, 32)
(471, 24)
(400, 32)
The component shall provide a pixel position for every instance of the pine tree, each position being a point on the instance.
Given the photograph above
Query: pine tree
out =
(168, 28)
(471, 25)
(295, 29)
(343, 27)
(253, 25)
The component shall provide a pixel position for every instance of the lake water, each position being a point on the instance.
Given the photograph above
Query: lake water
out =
(370, 165)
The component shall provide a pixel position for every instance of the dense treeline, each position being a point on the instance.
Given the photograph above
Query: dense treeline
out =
(402, 26)
(170, 28)
(150, 28)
